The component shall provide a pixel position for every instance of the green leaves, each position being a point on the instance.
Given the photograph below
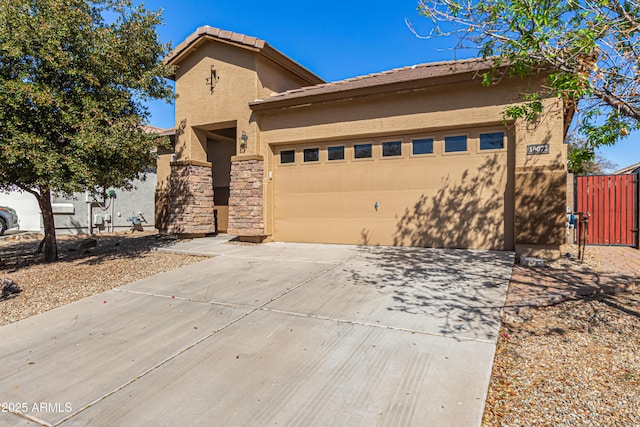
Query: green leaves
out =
(72, 87)
(589, 52)
(582, 159)
(528, 110)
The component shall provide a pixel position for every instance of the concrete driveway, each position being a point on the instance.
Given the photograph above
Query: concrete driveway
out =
(275, 334)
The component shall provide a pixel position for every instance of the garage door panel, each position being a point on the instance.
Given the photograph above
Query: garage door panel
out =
(411, 173)
(335, 230)
(418, 222)
(434, 201)
(348, 204)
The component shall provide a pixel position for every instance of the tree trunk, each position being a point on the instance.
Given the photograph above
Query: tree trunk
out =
(50, 244)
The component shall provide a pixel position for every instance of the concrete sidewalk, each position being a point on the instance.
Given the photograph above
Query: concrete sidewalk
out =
(206, 246)
(287, 334)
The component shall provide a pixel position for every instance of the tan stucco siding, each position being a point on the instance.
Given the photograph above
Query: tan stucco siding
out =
(226, 106)
(547, 129)
(477, 200)
(275, 79)
(540, 180)
(455, 106)
(439, 200)
(162, 187)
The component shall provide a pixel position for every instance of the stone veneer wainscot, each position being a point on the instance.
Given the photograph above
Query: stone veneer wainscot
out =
(191, 199)
(246, 213)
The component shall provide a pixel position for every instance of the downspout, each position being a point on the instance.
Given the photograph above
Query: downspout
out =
(87, 199)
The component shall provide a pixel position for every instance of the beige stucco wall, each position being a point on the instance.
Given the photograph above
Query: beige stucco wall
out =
(421, 195)
(227, 106)
(540, 182)
(450, 106)
(499, 199)
(162, 189)
(273, 78)
(243, 76)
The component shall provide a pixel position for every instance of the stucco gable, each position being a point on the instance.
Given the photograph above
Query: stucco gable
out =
(208, 34)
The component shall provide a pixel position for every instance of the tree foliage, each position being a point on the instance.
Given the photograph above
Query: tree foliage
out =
(588, 49)
(74, 76)
(581, 161)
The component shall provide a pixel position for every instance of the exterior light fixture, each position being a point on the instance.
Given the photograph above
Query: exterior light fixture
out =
(243, 141)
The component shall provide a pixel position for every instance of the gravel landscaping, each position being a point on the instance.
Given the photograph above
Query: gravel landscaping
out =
(575, 360)
(569, 347)
(573, 364)
(116, 260)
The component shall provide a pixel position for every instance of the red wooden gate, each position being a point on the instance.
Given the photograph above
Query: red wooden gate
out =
(612, 201)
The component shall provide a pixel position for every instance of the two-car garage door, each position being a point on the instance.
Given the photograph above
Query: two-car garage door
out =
(441, 189)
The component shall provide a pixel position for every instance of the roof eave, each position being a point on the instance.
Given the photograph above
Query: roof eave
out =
(381, 89)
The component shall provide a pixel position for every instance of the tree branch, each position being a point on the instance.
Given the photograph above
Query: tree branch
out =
(28, 190)
(617, 103)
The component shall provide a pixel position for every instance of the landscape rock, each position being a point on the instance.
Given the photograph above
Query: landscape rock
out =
(84, 244)
(9, 287)
(531, 262)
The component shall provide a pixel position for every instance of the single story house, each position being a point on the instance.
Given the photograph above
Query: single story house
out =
(82, 213)
(634, 168)
(415, 156)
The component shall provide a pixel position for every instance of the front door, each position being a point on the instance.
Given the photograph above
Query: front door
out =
(220, 148)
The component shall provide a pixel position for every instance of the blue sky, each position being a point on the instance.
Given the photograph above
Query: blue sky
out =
(334, 39)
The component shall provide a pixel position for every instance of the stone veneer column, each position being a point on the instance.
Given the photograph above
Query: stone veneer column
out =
(246, 198)
(190, 212)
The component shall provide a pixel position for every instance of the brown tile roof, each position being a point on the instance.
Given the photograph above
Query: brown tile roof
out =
(243, 41)
(407, 77)
(216, 33)
(159, 131)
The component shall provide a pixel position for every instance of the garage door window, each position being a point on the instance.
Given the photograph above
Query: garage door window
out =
(492, 141)
(391, 149)
(288, 156)
(335, 153)
(422, 146)
(311, 155)
(362, 151)
(455, 144)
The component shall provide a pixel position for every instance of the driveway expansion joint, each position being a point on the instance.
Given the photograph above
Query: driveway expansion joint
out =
(173, 297)
(31, 418)
(379, 326)
(271, 259)
(194, 344)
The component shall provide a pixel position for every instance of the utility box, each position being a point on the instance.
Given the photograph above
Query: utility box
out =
(98, 219)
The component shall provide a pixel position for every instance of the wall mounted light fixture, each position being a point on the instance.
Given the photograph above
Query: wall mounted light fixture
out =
(212, 80)
(243, 141)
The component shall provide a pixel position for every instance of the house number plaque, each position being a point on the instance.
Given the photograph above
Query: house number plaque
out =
(537, 149)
